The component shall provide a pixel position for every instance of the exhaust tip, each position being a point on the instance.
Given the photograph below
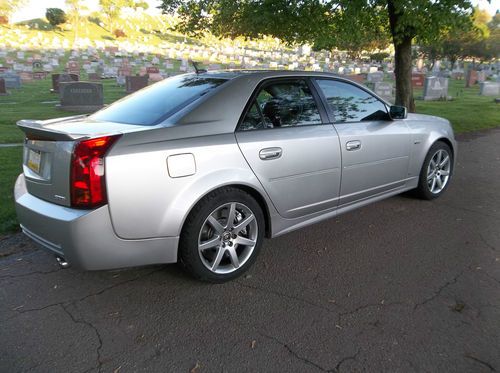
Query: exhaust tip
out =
(62, 263)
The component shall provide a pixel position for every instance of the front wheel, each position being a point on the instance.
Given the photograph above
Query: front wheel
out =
(436, 171)
(222, 235)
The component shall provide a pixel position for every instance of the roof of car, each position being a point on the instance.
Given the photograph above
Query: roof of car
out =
(230, 74)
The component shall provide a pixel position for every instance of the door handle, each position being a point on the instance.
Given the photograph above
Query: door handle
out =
(270, 153)
(353, 145)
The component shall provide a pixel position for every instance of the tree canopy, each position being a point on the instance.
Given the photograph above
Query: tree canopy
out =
(329, 24)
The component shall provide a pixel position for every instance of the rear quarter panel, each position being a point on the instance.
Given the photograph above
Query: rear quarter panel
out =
(145, 202)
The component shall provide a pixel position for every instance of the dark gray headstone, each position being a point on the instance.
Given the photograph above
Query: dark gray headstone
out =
(375, 77)
(12, 80)
(60, 78)
(134, 83)
(85, 97)
(3, 89)
(435, 88)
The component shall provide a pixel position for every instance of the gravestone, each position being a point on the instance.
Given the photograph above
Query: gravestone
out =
(134, 83)
(73, 67)
(358, 78)
(12, 80)
(3, 89)
(94, 77)
(152, 70)
(489, 88)
(39, 75)
(481, 76)
(375, 77)
(384, 90)
(435, 88)
(471, 78)
(417, 80)
(82, 97)
(60, 78)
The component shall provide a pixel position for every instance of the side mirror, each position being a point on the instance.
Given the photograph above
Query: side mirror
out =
(398, 112)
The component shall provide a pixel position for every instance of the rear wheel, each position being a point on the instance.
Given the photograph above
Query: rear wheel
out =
(436, 171)
(222, 235)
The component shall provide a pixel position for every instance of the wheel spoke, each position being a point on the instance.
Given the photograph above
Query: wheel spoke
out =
(444, 161)
(218, 258)
(439, 156)
(244, 241)
(433, 183)
(431, 175)
(439, 182)
(209, 244)
(445, 173)
(231, 215)
(215, 224)
(238, 228)
(234, 257)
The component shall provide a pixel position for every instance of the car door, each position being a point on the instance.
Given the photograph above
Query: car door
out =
(295, 156)
(375, 150)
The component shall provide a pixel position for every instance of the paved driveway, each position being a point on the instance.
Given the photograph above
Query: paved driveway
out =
(401, 285)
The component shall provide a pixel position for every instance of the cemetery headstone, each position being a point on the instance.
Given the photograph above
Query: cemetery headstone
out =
(435, 88)
(417, 80)
(94, 77)
(358, 78)
(85, 97)
(134, 83)
(375, 77)
(3, 89)
(12, 80)
(471, 78)
(489, 88)
(384, 90)
(60, 78)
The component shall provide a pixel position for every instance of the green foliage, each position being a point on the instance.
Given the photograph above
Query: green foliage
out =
(55, 16)
(379, 57)
(7, 7)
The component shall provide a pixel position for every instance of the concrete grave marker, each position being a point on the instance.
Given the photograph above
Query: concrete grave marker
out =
(135, 83)
(384, 90)
(82, 97)
(435, 88)
(59, 78)
(3, 89)
(489, 89)
(12, 80)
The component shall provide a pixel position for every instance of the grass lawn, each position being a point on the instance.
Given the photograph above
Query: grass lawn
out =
(467, 112)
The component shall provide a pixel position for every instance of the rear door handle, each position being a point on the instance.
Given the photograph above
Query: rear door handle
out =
(270, 153)
(353, 145)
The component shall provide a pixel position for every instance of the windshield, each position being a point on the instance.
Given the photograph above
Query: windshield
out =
(155, 103)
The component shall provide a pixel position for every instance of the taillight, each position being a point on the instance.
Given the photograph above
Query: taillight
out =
(88, 185)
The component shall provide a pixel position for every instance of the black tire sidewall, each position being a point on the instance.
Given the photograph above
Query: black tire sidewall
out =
(423, 187)
(188, 245)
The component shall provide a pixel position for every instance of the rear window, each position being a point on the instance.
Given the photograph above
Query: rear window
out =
(155, 103)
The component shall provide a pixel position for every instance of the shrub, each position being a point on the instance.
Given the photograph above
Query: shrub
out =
(55, 16)
(379, 57)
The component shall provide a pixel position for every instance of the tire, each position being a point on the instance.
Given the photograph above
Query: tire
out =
(434, 179)
(215, 250)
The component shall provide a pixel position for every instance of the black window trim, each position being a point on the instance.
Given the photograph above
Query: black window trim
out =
(307, 79)
(329, 110)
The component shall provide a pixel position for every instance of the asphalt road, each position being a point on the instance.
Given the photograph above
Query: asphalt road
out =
(401, 285)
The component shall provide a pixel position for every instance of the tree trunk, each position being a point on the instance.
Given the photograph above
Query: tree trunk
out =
(404, 89)
(402, 56)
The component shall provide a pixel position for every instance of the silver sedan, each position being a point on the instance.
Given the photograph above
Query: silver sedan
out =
(200, 167)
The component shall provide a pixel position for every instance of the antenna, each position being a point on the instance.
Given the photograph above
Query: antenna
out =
(198, 70)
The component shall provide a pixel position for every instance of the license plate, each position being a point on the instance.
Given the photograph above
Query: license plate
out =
(34, 157)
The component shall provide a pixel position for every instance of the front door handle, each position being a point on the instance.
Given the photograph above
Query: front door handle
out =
(353, 145)
(270, 153)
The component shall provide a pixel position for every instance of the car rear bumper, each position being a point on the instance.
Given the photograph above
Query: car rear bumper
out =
(85, 238)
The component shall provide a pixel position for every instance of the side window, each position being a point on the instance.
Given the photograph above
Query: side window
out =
(350, 103)
(282, 104)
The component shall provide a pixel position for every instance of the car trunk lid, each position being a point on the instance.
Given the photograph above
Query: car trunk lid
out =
(48, 150)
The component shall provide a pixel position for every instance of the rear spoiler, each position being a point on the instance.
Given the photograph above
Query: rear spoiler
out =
(34, 130)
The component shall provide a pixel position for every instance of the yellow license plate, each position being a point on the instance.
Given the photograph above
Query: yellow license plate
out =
(34, 157)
